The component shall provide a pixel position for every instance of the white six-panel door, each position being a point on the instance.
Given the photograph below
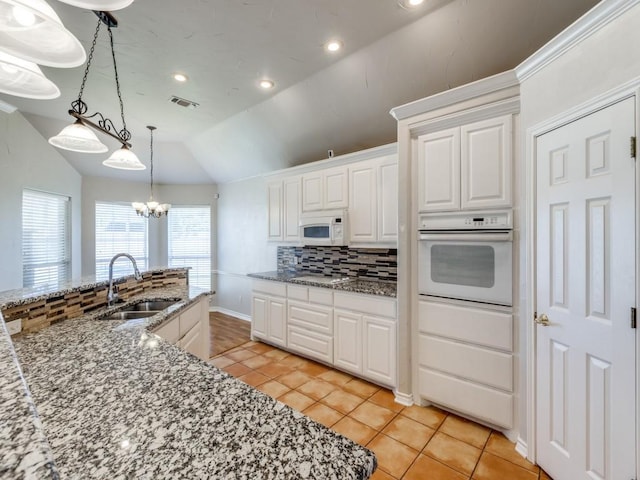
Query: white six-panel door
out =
(585, 284)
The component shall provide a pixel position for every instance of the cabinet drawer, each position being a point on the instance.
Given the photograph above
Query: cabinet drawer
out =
(478, 364)
(313, 317)
(278, 289)
(312, 344)
(189, 318)
(323, 296)
(474, 325)
(372, 304)
(170, 331)
(478, 401)
(189, 339)
(296, 292)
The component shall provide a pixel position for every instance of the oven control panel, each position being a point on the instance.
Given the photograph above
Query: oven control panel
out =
(498, 219)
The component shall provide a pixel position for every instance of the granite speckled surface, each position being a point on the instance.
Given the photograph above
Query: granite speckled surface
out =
(24, 450)
(119, 402)
(347, 284)
(25, 295)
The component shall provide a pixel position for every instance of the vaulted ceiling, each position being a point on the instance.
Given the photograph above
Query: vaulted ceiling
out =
(391, 55)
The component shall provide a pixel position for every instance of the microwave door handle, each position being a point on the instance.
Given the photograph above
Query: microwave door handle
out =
(503, 236)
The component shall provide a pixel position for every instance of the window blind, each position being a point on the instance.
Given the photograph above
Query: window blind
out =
(190, 242)
(46, 239)
(119, 229)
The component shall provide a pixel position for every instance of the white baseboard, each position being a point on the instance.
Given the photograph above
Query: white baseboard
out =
(403, 398)
(521, 447)
(239, 315)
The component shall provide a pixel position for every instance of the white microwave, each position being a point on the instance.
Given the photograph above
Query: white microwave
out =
(324, 227)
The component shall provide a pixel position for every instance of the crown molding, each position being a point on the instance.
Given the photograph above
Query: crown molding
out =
(456, 95)
(599, 16)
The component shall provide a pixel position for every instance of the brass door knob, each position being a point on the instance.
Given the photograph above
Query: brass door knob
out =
(543, 320)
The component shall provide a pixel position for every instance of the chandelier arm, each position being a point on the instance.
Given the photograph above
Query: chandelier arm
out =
(106, 129)
(124, 133)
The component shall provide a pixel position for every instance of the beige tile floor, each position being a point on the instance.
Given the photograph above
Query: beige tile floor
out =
(411, 443)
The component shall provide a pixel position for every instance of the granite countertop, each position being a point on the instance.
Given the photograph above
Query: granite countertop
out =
(368, 286)
(116, 401)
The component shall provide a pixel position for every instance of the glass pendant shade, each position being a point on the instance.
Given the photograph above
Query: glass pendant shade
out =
(31, 30)
(78, 138)
(24, 79)
(98, 5)
(124, 159)
(151, 208)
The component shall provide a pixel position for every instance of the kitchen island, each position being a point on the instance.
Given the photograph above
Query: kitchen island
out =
(117, 401)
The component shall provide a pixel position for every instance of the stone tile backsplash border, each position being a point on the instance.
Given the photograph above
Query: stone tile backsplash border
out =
(43, 312)
(377, 263)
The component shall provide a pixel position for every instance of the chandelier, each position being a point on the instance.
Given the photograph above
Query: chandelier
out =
(151, 208)
(78, 137)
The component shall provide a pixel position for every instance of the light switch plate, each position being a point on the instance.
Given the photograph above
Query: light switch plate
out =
(14, 326)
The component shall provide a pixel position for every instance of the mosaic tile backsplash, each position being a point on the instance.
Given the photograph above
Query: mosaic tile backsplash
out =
(378, 263)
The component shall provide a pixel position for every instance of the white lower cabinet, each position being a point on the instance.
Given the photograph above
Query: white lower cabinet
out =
(268, 312)
(465, 360)
(365, 341)
(354, 332)
(189, 330)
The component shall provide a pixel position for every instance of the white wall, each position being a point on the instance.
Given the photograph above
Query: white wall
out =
(602, 62)
(28, 161)
(110, 190)
(242, 244)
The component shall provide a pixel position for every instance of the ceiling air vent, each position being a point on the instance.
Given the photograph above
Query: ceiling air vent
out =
(183, 102)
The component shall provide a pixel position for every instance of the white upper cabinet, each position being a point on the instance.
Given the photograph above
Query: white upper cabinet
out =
(325, 189)
(439, 170)
(284, 206)
(466, 167)
(486, 163)
(292, 209)
(274, 212)
(373, 201)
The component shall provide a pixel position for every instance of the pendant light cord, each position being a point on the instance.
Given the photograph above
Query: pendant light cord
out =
(86, 71)
(124, 133)
(151, 169)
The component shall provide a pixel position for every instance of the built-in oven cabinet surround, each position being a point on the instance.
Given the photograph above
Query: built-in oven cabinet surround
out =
(466, 167)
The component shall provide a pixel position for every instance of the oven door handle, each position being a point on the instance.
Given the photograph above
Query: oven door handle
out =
(489, 236)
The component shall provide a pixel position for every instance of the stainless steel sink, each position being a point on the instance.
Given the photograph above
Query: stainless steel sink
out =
(128, 315)
(151, 306)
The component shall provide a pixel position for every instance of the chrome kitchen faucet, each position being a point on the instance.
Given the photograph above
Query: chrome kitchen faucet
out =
(112, 296)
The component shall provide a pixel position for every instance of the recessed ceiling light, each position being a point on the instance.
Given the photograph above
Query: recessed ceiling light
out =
(334, 46)
(266, 84)
(410, 3)
(180, 77)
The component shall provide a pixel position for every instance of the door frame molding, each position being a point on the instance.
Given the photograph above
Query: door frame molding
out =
(626, 90)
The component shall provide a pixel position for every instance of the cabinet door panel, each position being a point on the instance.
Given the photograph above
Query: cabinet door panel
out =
(348, 341)
(312, 191)
(388, 203)
(278, 321)
(259, 313)
(292, 209)
(486, 163)
(336, 188)
(439, 171)
(362, 203)
(274, 212)
(379, 354)
(170, 331)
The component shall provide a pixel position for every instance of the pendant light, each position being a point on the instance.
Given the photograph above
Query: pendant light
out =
(24, 79)
(151, 208)
(99, 5)
(31, 30)
(78, 137)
